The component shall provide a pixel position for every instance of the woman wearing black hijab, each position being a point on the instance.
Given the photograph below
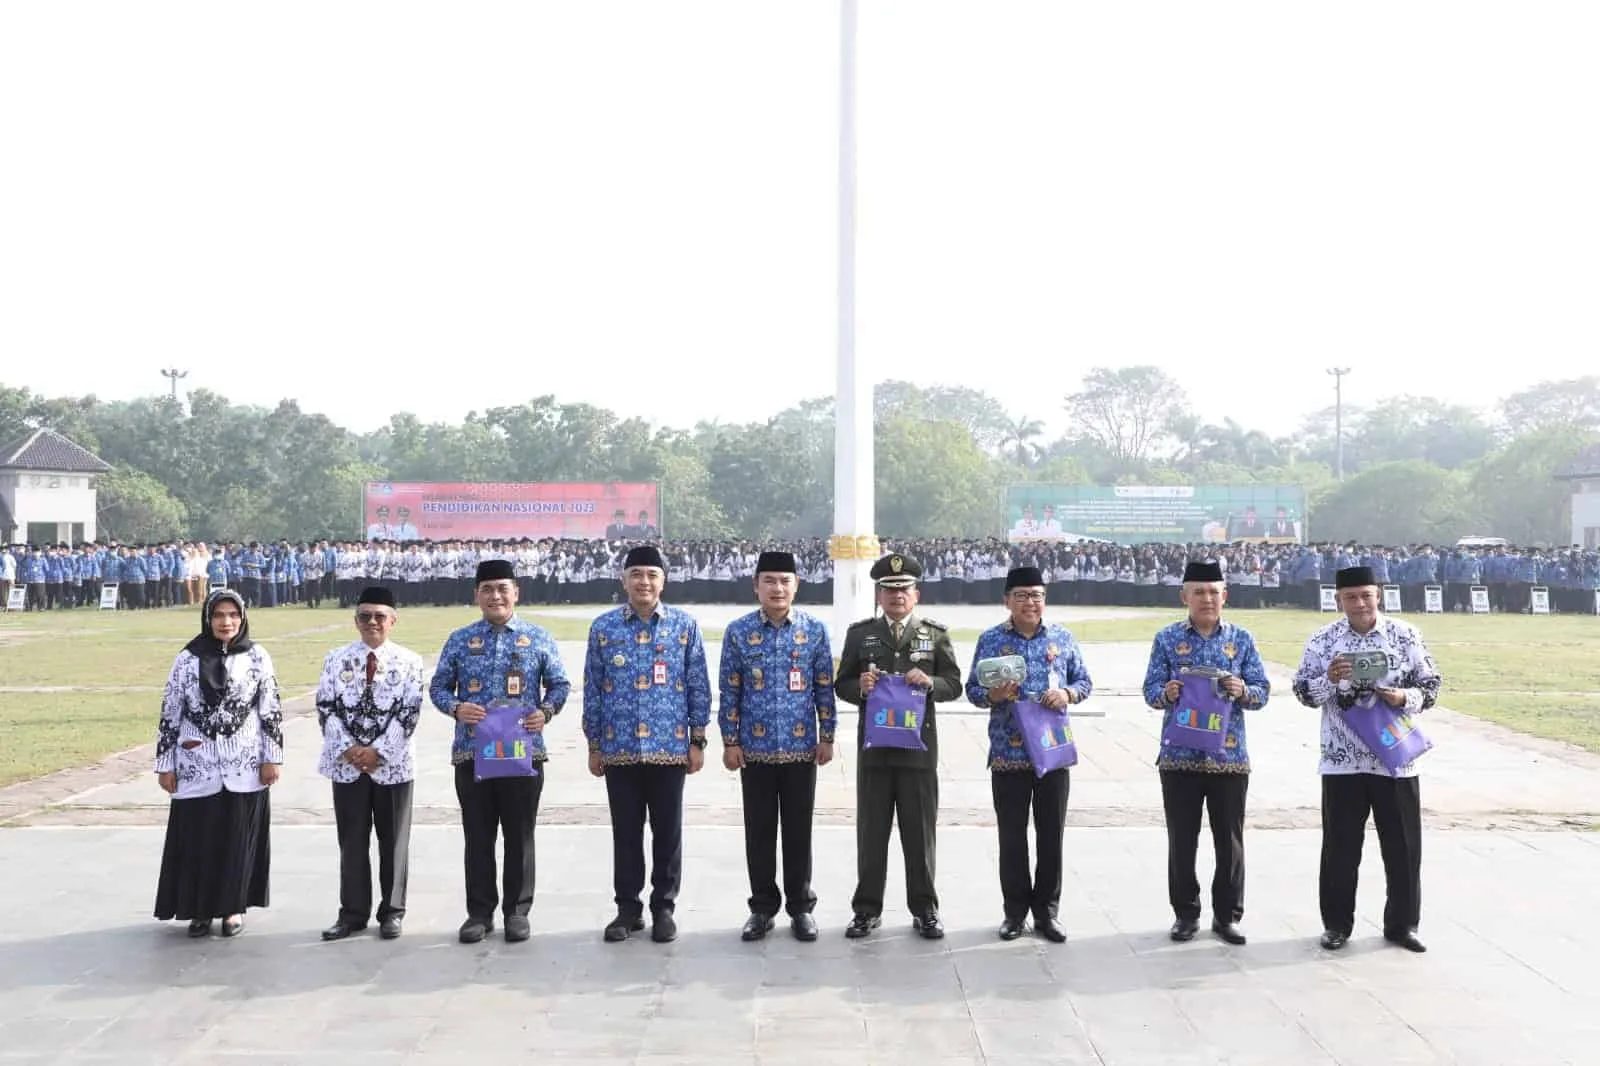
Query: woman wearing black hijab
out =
(218, 747)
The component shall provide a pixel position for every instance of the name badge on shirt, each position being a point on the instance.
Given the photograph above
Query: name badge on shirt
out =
(514, 683)
(658, 675)
(797, 680)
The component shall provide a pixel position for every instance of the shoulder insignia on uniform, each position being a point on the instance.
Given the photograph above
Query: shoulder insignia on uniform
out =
(931, 624)
(858, 625)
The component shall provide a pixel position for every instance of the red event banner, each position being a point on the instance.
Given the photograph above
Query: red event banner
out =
(444, 510)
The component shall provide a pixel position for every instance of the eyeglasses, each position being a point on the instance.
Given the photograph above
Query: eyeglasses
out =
(1031, 597)
(367, 618)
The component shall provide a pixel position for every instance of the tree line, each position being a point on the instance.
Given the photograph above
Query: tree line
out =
(1416, 469)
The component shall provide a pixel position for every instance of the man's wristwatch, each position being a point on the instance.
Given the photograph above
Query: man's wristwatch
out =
(699, 742)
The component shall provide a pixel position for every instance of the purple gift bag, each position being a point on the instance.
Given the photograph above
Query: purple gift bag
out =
(1388, 732)
(1201, 717)
(1047, 735)
(894, 714)
(501, 747)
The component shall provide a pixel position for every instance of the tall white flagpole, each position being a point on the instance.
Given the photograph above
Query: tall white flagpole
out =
(854, 547)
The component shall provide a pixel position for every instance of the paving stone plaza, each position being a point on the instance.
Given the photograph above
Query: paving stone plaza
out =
(1511, 866)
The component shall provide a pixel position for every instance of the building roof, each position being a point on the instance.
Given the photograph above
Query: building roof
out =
(45, 449)
(1586, 465)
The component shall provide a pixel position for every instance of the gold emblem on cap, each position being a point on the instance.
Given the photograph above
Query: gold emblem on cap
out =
(896, 563)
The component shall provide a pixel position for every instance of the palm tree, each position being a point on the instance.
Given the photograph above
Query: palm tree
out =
(1019, 437)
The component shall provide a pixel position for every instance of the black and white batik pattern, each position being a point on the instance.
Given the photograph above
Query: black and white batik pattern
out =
(1411, 668)
(383, 716)
(222, 746)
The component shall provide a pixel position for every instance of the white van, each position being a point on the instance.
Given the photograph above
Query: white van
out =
(1483, 542)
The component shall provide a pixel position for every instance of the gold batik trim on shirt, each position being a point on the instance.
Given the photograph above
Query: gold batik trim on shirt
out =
(653, 759)
(776, 757)
(1203, 766)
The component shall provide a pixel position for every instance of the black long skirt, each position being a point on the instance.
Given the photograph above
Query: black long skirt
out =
(217, 856)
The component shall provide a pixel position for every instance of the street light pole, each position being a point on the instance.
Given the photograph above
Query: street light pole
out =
(853, 547)
(173, 375)
(1338, 373)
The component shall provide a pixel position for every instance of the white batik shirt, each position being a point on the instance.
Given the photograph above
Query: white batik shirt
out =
(221, 747)
(1411, 668)
(383, 717)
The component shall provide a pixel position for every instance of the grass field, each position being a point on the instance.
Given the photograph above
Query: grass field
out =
(1538, 675)
(110, 670)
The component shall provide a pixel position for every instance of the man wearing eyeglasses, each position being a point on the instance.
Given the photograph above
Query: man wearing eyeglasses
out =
(500, 656)
(368, 700)
(1056, 678)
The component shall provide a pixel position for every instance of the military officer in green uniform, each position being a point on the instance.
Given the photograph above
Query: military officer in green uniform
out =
(897, 783)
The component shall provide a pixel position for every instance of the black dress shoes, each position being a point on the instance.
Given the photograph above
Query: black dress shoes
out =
(1407, 940)
(389, 929)
(756, 927)
(474, 930)
(804, 926)
(200, 927)
(1333, 940)
(517, 929)
(1051, 930)
(1184, 929)
(341, 929)
(862, 925)
(663, 927)
(1012, 928)
(622, 927)
(1228, 932)
(929, 925)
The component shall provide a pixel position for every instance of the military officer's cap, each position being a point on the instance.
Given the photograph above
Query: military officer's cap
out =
(896, 571)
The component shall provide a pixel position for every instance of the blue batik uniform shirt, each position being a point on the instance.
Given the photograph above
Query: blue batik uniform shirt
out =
(1054, 661)
(1228, 648)
(474, 665)
(635, 711)
(776, 687)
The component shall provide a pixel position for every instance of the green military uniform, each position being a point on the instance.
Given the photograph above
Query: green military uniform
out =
(893, 782)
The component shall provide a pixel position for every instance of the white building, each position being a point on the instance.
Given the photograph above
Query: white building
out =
(1584, 477)
(47, 493)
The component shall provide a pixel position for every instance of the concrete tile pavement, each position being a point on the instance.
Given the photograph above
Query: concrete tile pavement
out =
(89, 977)
(1505, 982)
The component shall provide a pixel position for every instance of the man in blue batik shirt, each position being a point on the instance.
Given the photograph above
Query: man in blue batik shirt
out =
(777, 717)
(498, 657)
(646, 703)
(1192, 778)
(1056, 678)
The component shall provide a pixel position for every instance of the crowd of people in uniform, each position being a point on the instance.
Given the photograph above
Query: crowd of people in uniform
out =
(652, 699)
(422, 573)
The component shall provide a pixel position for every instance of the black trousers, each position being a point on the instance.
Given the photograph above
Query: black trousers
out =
(360, 807)
(636, 794)
(1183, 794)
(508, 806)
(881, 792)
(1395, 804)
(1035, 891)
(774, 793)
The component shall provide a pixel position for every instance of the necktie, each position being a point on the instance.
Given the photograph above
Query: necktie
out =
(894, 628)
(372, 665)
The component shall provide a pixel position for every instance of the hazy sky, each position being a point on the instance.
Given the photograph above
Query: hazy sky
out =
(631, 202)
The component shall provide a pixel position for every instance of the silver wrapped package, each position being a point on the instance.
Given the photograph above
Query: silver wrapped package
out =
(1001, 670)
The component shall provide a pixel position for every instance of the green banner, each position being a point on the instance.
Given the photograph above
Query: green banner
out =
(1166, 514)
